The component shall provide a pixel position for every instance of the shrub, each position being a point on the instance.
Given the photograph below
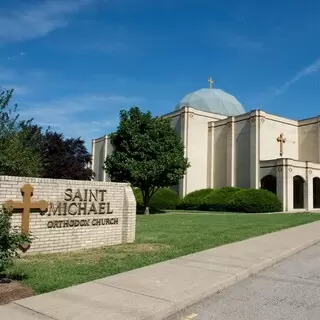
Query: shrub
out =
(219, 199)
(10, 240)
(255, 201)
(163, 199)
(193, 200)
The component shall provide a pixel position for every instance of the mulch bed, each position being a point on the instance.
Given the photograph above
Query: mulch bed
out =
(13, 291)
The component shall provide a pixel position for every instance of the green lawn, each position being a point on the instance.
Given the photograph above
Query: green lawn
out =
(159, 237)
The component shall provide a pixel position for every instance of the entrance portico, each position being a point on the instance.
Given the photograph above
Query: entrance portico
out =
(296, 183)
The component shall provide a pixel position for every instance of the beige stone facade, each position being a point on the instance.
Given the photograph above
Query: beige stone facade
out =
(248, 150)
(80, 214)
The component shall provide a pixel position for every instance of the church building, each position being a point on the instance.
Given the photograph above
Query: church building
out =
(228, 146)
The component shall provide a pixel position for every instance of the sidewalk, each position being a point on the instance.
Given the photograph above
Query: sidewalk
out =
(160, 290)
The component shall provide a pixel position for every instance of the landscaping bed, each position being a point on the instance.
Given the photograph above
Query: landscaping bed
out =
(159, 237)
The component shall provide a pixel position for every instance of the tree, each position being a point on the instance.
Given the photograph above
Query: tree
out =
(65, 158)
(146, 153)
(17, 156)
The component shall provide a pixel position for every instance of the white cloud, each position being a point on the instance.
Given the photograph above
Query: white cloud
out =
(271, 93)
(18, 89)
(35, 20)
(89, 116)
(308, 70)
(237, 41)
(244, 43)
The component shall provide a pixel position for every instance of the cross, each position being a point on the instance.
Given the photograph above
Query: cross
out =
(210, 82)
(282, 140)
(26, 205)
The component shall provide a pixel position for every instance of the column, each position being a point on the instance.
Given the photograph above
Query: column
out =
(308, 190)
(282, 183)
(230, 153)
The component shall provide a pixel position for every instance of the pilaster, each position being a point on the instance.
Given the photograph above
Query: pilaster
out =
(282, 183)
(210, 174)
(230, 153)
(184, 138)
(105, 142)
(93, 151)
(308, 190)
(254, 149)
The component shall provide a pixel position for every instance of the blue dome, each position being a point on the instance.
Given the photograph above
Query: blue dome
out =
(212, 100)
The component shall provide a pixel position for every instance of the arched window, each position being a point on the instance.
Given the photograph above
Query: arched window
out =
(316, 192)
(298, 192)
(269, 182)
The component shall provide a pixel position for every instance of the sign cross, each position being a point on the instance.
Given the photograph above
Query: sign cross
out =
(26, 205)
(282, 140)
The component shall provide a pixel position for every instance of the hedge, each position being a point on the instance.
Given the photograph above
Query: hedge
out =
(163, 199)
(219, 199)
(233, 200)
(255, 201)
(224, 199)
(193, 200)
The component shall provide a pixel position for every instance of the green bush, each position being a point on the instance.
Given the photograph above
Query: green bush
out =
(10, 241)
(193, 200)
(255, 201)
(219, 199)
(163, 199)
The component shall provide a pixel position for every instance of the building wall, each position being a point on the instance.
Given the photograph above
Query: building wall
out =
(98, 151)
(193, 127)
(177, 121)
(220, 130)
(285, 170)
(101, 148)
(270, 129)
(59, 231)
(309, 140)
(242, 152)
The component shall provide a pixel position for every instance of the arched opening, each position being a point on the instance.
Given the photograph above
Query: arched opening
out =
(269, 183)
(316, 192)
(298, 192)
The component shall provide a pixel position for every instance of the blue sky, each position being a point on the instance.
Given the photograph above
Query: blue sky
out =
(75, 64)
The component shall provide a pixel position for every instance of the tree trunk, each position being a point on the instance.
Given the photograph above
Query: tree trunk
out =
(146, 200)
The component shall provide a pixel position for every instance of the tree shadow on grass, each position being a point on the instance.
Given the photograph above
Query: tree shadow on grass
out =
(13, 275)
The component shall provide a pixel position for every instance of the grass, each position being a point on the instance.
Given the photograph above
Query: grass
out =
(159, 237)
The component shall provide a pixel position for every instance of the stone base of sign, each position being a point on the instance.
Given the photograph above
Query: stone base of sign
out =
(80, 214)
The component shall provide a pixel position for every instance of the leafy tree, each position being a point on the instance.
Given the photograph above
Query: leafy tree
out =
(17, 156)
(146, 153)
(65, 158)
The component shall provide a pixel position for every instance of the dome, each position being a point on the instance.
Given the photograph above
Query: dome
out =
(212, 100)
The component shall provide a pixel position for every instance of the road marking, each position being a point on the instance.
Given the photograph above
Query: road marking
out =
(190, 316)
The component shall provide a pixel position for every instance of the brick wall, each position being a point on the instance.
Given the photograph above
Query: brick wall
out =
(76, 218)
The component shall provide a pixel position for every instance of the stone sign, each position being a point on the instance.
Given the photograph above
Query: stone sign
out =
(66, 215)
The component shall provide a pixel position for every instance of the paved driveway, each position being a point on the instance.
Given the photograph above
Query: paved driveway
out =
(290, 291)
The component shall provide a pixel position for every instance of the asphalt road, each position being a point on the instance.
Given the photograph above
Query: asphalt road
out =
(289, 290)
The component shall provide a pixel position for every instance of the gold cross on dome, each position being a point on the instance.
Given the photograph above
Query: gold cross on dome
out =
(210, 82)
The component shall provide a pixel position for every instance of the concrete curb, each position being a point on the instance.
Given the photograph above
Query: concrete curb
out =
(232, 281)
